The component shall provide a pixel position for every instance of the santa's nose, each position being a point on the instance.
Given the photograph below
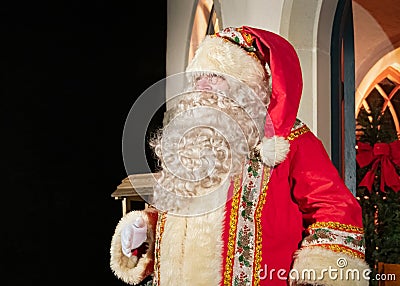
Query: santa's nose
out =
(203, 84)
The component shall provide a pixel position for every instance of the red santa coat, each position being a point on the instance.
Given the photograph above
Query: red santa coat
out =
(297, 220)
(298, 215)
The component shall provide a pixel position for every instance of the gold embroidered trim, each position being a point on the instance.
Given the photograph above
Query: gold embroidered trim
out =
(296, 133)
(258, 250)
(160, 230)
(252, 54)
(341, 249)
(232, 233)
(338, 226)
(246, 36)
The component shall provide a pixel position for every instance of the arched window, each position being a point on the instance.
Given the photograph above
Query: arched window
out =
(384, 94)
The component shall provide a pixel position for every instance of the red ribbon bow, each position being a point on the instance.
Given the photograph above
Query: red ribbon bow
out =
(387, 155)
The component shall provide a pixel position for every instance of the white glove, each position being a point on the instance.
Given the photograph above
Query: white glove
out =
(133, 236)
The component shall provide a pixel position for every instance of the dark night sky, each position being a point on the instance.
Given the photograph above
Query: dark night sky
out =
(70, 72)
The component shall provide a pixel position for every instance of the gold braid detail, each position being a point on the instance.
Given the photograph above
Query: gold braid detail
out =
(258, 251)
(337, 226)
(160, 230)
(232, 232)
(341, 249)
(296, 133)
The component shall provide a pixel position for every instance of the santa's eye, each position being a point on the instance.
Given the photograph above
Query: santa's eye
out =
(212, 79)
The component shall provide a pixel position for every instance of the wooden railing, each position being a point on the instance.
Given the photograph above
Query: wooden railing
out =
(135, 191)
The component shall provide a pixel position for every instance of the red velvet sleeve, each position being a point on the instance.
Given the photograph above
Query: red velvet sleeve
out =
(331, 214)
(317, 187)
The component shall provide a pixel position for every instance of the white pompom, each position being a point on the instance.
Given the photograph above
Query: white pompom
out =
(274, 150)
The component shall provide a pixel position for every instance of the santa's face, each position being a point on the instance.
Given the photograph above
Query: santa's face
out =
(214, 125)
(211, 82)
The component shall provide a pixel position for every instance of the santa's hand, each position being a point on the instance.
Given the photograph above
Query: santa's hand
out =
(133, 236)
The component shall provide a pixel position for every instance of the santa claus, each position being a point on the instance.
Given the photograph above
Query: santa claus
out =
(247, 194)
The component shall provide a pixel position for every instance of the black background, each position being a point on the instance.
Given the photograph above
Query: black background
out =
(70, 72)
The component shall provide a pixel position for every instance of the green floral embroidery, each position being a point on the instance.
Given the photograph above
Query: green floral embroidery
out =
(244, 246)
(337, 240)
(241, 280)
(324, 233)
(320, 233)
(246, 205)
(357, 241)
(244, 255)
(254, 166)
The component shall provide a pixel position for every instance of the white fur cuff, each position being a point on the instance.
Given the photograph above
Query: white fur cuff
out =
(274, 150)
(132, 270)
(320, 266)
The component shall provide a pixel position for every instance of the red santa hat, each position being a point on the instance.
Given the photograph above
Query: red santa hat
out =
(254, 56)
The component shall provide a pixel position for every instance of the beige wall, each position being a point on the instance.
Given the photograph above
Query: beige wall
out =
(309, 29)
(256, 13)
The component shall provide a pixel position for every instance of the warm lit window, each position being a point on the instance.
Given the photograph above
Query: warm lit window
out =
(384, 94)
(205, 23)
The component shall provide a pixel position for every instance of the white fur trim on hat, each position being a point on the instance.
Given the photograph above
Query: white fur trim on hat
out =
(219, 55)
(273, 150)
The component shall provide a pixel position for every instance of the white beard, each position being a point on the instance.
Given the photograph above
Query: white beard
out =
(200, 150)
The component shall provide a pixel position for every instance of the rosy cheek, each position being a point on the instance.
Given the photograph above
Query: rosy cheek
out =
(203, 85)
(223, 86)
